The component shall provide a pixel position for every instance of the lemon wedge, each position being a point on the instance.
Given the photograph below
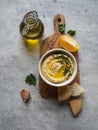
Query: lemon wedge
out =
(69, 43)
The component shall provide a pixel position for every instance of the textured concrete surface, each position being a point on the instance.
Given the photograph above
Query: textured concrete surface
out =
(17, 61)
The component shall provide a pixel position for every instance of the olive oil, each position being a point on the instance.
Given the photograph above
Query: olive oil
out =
(31, 28)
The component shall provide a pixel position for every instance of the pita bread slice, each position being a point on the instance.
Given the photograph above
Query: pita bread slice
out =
(77, 90)
(64, 93)
(76, 106)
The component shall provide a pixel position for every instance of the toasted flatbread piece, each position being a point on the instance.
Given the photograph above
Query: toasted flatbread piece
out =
(76, 106)
(64, 93)
(77, 90)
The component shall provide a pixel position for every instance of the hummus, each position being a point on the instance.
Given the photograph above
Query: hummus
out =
(57, 67)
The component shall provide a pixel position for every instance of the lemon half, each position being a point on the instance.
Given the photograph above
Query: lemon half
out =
(69, 43)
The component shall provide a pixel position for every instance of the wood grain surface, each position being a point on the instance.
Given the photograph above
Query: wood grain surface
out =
(49, 43)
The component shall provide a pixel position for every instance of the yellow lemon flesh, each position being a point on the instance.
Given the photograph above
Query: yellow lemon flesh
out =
(69, 43)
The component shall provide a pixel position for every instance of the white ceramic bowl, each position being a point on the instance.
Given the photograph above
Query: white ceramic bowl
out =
(64, 83)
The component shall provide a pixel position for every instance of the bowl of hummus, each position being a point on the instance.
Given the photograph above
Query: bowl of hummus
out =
(58, 67)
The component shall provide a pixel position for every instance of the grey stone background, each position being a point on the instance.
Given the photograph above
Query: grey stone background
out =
(17, 61)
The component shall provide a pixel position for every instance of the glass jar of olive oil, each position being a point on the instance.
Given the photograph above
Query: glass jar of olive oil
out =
(31, 28)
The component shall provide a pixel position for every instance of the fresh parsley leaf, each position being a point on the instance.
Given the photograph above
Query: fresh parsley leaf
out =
(72, 32)
(30, 79)
(61, 28)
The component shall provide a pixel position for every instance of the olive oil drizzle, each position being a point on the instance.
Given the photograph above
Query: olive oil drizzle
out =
(66, 61)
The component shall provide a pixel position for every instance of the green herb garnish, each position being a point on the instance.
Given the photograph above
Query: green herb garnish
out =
(61, 28)
(30, 79)
(65, 61)
(72, 32)
(65, 72)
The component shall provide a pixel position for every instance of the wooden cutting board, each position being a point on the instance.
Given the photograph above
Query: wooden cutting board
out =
(49, 43)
